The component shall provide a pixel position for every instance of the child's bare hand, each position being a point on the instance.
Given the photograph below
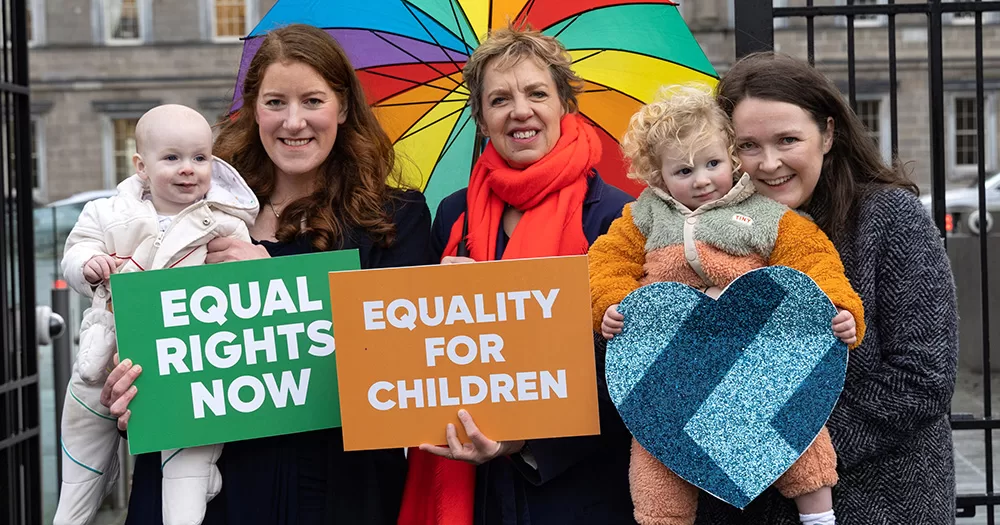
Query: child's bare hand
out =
(612, 323)
(844, 327)
(99, 268)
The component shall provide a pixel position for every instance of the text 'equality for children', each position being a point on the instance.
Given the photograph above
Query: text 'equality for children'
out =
(485, 348)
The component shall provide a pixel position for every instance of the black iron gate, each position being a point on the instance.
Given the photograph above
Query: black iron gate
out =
(20, 454)
(755, 31)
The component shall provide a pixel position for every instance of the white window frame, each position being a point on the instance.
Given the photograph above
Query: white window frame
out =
(144, 20)
(250, 14)
(951, 19)
(37, 23)
(884, 122)
(41, 191)
(878, 21)
(780, 23)
(964, 171)
(108, 143)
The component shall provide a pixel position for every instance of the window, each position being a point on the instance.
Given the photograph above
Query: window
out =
(122, 21)
(969, 17)
(865, 20)
(38, 159)
(34, 12)
(119, 148)
(963, 128)
(966, 127)
(231, 19)
(782, 22)
(871, 111)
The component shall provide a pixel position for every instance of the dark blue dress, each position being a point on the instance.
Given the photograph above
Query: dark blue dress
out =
(579, 480)
(306, 478)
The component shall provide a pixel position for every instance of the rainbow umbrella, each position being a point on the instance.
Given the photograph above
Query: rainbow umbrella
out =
(409, 56)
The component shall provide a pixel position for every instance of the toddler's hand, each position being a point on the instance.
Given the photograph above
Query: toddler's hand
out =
(612, 323)
(99, 268)
(844, 327)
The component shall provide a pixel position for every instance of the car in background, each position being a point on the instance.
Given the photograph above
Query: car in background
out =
(54, 221)
(962, 205)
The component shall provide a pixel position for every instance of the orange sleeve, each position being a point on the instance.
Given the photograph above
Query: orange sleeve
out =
(803, 246)
(615, 260)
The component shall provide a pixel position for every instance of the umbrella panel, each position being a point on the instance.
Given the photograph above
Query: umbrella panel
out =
(381, 83)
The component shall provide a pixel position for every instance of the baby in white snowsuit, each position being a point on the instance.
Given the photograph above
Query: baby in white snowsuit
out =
(180, 198)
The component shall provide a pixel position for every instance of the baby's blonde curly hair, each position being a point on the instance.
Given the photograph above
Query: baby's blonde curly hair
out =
(683, 116)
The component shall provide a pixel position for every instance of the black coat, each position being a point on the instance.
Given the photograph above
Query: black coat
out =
(890, 427)
(579, 480)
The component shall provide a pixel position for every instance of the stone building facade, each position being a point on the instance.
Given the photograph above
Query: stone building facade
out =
(96, 65)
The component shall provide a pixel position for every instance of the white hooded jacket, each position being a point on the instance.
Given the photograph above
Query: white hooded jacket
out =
(126, 226)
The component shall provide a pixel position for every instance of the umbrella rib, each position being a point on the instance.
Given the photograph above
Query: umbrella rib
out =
(444, 151)
(448, 145)
(458, 22)
(428, 64)
(393, 33)
(602, 128)
(415, 83)
(523, 14)
(581, 59)
(575, 18)
(417, 103)
(409, 133)
(639, 53)
(611, 89)
(667, 3)
(409, 9)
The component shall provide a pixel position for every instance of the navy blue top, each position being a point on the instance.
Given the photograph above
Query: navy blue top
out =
(306, 478)
(579, 480)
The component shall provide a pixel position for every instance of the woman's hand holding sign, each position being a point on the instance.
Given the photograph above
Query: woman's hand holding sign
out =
(479, 451)
(227, 249)
(118, 390)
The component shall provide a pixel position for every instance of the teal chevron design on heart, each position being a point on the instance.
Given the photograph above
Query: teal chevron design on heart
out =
(728, 393)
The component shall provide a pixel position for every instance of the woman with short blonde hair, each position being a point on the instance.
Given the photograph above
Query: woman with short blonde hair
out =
(533, 192)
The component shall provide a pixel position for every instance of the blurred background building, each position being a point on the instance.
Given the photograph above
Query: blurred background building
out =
(97, 65)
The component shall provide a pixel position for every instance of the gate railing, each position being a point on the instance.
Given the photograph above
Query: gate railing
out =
(754, 31)
(20, 442)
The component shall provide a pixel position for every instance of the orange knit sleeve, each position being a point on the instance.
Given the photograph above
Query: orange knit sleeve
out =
(615, 260)
(803, 246)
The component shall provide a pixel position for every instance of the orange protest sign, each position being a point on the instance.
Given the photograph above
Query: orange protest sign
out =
(509, 341)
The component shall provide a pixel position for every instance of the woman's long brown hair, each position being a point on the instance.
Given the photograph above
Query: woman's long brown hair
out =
(351, 190)
(854, 165)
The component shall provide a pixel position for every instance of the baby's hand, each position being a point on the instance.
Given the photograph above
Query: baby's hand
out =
(99, 268)
(612, 323)
(844, 327)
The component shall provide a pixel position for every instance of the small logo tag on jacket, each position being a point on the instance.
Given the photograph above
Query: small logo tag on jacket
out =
(742, 219)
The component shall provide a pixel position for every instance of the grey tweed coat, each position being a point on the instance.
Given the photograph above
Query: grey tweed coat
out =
(890, 427)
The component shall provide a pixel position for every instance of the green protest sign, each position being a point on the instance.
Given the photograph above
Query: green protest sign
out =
(230, 351)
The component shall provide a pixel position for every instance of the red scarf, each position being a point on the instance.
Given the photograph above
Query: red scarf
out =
(550, 192)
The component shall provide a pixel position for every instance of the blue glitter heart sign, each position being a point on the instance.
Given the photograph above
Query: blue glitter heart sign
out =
(728, 393)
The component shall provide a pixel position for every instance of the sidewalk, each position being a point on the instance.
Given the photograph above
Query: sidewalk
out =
(970, 462)
(970, 454)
